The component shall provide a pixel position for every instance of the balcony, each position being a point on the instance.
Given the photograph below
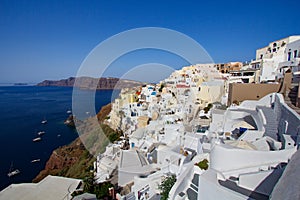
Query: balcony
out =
(292, 62)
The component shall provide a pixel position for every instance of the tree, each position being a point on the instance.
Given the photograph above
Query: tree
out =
(161, 87)
(166, 186)
(102, 190)
(88, 184)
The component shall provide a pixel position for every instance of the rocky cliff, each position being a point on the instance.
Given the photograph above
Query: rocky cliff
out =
(91, 83)
(74, 160)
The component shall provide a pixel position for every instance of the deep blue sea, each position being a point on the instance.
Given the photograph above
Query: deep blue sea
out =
(22, 108)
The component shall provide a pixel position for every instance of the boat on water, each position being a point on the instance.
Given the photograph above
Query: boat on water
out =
(69, 111)
(44, 122)
(13, 172)
(37, 139)
(41, 133)
(35, 160)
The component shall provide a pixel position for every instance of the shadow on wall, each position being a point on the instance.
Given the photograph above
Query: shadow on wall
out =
(268, 184)
(262, 191)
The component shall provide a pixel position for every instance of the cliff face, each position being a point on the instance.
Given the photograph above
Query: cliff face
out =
(91, 83)
(74, 160)
(105, 110)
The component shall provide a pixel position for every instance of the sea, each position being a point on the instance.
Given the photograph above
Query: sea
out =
(22, 108)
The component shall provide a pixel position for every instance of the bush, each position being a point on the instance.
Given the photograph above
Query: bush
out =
(88, 184)
(203, 164)
(166, 186)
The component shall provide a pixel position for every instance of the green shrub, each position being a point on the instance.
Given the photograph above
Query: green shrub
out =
(166, 186)
(203, 164)
(101, 190)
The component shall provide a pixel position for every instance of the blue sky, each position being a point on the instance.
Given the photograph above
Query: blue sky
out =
(50, 39)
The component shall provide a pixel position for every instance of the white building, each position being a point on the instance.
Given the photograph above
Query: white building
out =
(132, 163)
(292, 55)
(269, 57)
(106, 163)
(51, 187)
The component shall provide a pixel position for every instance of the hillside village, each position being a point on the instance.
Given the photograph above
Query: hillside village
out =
(221, 131)
(201, 113)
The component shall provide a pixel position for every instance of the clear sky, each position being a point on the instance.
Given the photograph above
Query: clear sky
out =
(50, 39)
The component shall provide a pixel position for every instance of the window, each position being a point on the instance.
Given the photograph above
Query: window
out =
(269, 49)
(289, 56)
(295, 53)
(261, 56)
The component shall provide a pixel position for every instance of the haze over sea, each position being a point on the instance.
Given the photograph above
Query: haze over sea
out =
(22, 110)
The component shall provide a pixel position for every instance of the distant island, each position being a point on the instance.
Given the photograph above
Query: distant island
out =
(90, 83)
(20, 84)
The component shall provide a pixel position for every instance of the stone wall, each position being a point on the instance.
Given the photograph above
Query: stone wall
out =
(249, 91)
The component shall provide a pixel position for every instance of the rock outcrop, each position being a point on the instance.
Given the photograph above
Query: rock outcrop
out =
(70, 121)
